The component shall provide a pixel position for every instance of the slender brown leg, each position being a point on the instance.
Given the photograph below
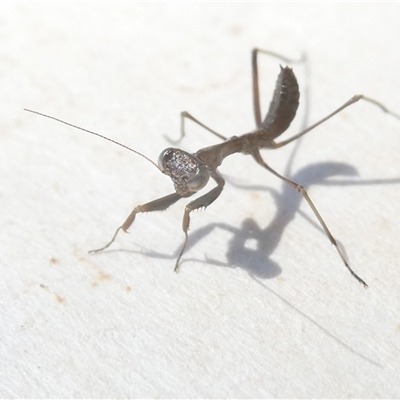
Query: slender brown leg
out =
(185, 114)
(203, 201)
(256, 90)
(348, 103)
(156, 205)
(303, 192)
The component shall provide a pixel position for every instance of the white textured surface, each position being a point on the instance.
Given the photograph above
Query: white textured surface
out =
(287, 320)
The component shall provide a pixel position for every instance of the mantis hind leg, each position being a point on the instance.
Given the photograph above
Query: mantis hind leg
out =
(305, 195)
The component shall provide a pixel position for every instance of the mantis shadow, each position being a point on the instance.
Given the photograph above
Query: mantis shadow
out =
(251, 247)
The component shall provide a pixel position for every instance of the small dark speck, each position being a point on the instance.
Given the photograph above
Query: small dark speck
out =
(54, 261)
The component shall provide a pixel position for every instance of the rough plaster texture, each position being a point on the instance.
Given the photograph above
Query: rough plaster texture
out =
(262, 306)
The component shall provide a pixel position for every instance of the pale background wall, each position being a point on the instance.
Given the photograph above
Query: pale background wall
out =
(286, 320)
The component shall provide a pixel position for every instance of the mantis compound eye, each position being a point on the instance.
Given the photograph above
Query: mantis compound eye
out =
(187, 172)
